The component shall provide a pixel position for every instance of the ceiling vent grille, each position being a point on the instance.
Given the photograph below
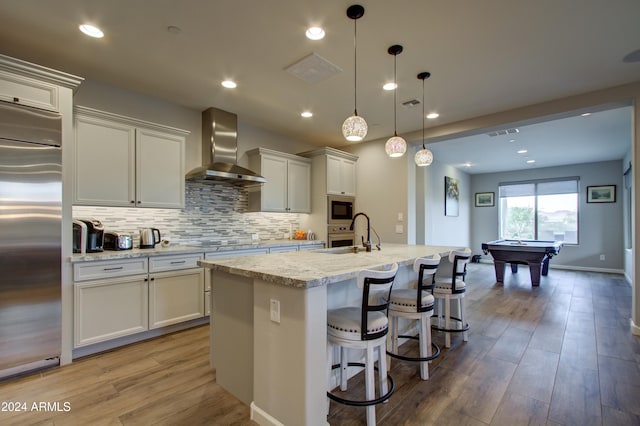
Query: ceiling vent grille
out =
(504, 132)
(411, 103)
(313, 68)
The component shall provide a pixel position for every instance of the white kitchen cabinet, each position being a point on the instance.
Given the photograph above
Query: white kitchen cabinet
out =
(28, 91)
(341, 176)
(283, 249)
(314, 246)
(175, 297)
(176, 289)
(124, 162)
(110, 308)
(288, 186)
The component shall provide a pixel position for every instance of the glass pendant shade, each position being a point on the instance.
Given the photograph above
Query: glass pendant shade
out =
(395, 146)
(423, 158)
(354, 128)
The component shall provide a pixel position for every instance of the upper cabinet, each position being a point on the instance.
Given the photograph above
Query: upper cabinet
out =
(334, 171)
(125, 162)
(341, 176)
(288, 183)
(33, 85)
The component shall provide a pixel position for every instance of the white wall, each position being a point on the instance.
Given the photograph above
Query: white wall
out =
(381, 189)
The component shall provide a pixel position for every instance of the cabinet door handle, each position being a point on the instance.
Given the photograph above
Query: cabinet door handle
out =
(117, 268)
(139, 202)
(177, 262)
(16, 99)
(133, 202)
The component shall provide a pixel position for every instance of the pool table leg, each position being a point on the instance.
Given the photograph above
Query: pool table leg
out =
(499, 266)
(534, 270)
(545, 266)
(514, 268)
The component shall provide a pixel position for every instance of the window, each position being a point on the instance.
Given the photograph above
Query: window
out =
(539, 210)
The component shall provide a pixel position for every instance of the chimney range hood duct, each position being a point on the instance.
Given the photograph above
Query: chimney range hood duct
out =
(220, 150)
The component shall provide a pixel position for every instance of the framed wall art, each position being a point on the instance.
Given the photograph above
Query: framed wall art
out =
(601, 194)
(451, 196)
(485, 199)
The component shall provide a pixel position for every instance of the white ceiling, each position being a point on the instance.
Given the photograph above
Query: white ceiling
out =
(484, 56)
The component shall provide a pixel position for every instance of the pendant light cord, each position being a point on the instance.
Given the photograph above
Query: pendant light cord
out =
(395, 92)
(423, 147)
(355, 67)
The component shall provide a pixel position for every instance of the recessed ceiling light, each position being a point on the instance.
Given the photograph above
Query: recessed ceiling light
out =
(91, 30)
(306, 114)
(522, 151)
(390, 86)
(467, 164)
(531, 161)
(586, 114)
(512, 140)
(433, 115)
(315, 33)
(229, 84)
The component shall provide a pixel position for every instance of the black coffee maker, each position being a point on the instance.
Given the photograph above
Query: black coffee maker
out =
(88, 236)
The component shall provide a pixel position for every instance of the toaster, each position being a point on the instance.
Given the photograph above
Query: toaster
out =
(114, 240)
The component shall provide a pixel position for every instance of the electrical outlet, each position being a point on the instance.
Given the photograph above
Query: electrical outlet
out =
(255, 237)
(399, 229)
(400, 217)
(275, 311)
(602, 257)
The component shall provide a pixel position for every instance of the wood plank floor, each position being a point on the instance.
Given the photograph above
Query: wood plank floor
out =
(560, 354)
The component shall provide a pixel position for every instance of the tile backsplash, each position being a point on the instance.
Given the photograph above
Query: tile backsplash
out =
(213, 212)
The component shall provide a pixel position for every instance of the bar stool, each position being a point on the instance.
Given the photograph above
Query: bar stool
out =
(363, 328)
(449, 289)
(415, 304)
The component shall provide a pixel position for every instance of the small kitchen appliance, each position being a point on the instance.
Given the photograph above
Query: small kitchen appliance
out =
(149, 237)
(114, 240)
(88, 236)
(79, 236)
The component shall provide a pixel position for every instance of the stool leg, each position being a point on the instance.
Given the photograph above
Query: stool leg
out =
(343, 368)
(390, 337)
(370, 385)
(465, 337)
(447, 321)
(329, 365)
(425, 339)
(382, 369)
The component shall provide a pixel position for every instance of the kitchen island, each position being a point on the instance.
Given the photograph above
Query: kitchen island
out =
(268, 328)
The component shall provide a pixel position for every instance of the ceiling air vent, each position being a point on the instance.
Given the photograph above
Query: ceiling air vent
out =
(504, 132)
(411, 103)
(313, 68)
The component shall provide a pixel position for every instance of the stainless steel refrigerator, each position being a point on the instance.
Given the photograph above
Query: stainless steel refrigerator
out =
(30, 238)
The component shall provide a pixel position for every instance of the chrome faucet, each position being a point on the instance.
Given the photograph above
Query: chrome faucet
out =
(366, 244)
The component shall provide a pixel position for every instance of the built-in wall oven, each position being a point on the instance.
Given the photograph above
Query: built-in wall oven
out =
(340, 210)
(340, 236)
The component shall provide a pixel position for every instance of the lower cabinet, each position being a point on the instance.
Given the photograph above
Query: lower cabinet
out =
(110, 308)
(176, 297)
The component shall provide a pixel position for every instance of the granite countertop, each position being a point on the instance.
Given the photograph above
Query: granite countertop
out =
(185, 249)
(306, 269)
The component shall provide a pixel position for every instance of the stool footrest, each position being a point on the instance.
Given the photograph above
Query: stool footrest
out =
(362, 403)
(452, 330)
(433, 356)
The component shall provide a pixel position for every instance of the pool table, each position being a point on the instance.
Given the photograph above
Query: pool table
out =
(535, 253)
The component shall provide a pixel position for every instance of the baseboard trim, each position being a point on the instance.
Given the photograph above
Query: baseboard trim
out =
(635, 330)
(263, 418)
(573, 268)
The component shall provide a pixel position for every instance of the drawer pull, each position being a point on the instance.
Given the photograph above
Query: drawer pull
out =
(177, 262)
(117, 268)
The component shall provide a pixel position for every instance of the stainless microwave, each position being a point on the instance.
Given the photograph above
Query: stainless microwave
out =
(340, 209)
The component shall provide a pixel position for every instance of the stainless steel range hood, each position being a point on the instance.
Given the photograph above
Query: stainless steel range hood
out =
(220, 150)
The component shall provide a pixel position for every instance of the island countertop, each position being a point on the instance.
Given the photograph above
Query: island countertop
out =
(307, 269)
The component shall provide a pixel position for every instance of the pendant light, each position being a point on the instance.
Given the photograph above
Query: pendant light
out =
(424, 157)
(355, 128)
(395, 146)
